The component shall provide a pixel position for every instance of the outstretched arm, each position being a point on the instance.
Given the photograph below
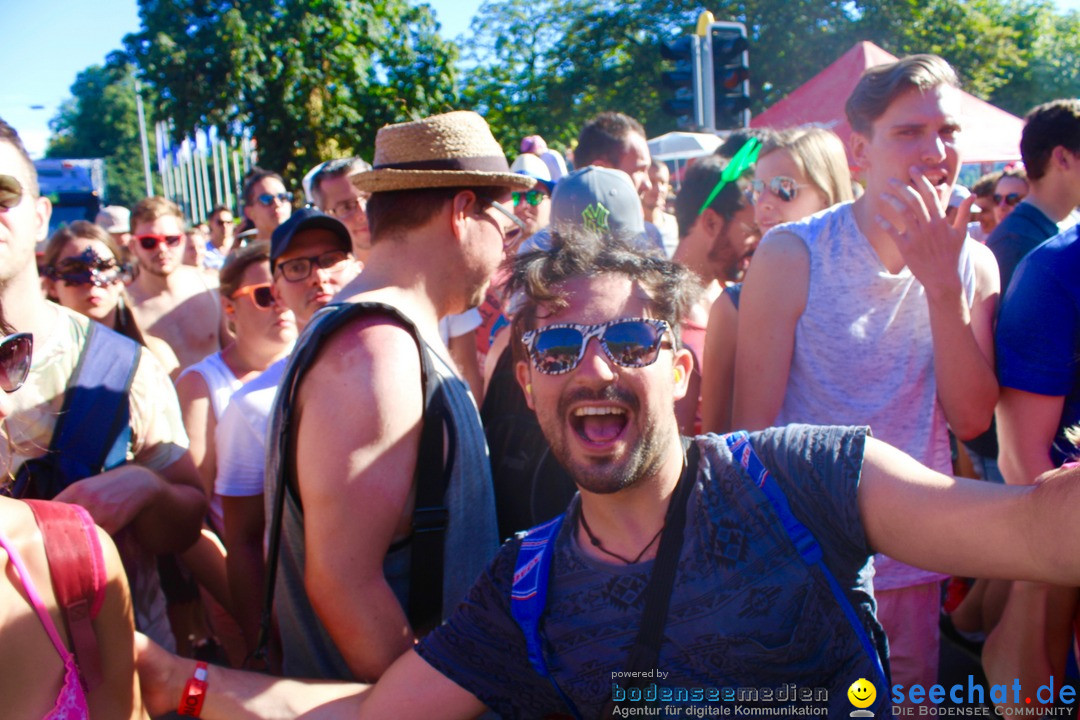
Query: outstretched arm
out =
(411, 688)
(969, 527)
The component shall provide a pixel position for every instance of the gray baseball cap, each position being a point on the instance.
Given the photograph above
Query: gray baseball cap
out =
(596, 199)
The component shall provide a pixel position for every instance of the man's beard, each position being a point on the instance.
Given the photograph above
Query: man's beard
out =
(601, 476)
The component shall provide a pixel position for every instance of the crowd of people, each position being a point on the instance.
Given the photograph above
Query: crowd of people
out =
(303, 438)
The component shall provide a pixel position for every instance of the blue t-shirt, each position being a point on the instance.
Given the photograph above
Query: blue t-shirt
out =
(1025, 228)
(746, 611)
(1038, 331)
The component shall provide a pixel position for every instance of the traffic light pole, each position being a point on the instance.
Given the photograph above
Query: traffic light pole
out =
(707, 87)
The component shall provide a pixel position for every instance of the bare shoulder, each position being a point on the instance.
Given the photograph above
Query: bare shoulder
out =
(779, 275)
(192, 386)
(781, 246)
(372, 359)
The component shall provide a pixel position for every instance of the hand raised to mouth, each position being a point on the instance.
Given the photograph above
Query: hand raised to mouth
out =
(913, 216)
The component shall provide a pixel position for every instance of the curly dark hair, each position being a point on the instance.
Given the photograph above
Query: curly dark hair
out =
(536, 277)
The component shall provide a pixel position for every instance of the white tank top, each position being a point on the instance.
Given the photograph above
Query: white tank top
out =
(222, 384)
(219, 379)
(864, 354)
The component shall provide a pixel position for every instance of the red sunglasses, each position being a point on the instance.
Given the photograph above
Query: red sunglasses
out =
(150, 241)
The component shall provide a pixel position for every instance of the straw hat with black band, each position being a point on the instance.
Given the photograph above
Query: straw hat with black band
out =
(456, 149)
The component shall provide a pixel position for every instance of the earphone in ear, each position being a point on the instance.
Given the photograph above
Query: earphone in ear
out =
(678, 375)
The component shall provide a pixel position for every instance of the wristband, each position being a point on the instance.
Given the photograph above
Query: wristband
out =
(191, 701)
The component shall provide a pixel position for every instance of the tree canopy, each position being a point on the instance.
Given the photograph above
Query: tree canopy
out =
(314, 79)
(311, 79)
(99, 120)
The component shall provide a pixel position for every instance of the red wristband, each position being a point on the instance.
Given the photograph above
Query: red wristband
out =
(191, 701)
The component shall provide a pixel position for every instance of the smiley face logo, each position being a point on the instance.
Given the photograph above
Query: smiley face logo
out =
(862, 693)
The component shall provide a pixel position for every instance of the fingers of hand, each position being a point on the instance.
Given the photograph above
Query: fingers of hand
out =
(928, 194)
(963, 214)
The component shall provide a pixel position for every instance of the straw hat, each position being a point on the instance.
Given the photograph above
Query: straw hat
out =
(456, 149)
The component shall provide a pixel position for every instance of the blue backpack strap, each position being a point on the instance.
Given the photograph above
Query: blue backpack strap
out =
(802, 539)
(93, 431)
(96, 424)
(528, 595)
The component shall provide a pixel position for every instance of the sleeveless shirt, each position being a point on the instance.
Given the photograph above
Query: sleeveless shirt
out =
(864, 354)
(471, 539)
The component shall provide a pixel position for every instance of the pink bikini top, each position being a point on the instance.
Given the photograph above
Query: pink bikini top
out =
(71, 702)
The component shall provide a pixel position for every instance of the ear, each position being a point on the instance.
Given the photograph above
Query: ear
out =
(43, 210)
(682, 366)
(523, 373)
(461, 210)
(1063, 158)
(712, 223)
(860, 146)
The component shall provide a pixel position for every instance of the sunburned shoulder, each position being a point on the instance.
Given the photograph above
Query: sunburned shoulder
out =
(369, 344)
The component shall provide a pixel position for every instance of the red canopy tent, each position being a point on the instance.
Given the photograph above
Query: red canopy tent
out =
(989, 133)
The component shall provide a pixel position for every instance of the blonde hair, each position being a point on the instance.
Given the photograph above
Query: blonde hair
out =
(150, 209)
(819, 153)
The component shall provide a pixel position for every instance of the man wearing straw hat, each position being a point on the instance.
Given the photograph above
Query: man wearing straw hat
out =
(380, 472)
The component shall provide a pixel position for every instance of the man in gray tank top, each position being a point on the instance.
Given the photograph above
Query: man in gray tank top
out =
(880, 312)
(352, 438)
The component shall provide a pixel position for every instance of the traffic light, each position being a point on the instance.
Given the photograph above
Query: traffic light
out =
(730, 66)
(684, 81)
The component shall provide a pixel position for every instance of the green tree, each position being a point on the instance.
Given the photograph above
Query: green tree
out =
(547, 66)
(100, 120)
(1048, 52)
(312, 79)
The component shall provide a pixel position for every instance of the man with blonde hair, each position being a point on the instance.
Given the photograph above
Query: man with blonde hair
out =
(172, 301)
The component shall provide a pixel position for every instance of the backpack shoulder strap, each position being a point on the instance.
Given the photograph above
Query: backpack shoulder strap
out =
(528, 595)
(94, 431)
(803, 540)
(77, 569)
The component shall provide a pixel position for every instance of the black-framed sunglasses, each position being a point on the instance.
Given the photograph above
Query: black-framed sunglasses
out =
(267, 199)
(15, 354)
(783, 187)
(11, 191)
(260, 295)
(299, 269)
(149, 241)
(628, 342)
(1012, 199)
(533, 197)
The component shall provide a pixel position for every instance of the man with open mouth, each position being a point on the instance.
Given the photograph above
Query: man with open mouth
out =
(696, 572)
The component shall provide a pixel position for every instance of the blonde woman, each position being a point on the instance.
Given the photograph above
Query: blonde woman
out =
(799, 172)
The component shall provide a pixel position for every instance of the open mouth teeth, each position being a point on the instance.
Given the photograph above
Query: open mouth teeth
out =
(599, 424)
(583, 411)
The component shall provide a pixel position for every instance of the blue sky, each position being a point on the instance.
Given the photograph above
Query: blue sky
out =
(48, 42)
